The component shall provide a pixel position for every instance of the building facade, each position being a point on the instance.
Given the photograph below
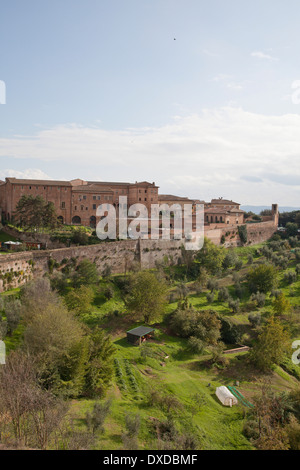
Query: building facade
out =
(76, 201)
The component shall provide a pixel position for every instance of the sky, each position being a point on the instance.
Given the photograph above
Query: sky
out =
(200, 97)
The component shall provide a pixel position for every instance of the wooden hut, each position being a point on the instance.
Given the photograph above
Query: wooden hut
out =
(140, 334)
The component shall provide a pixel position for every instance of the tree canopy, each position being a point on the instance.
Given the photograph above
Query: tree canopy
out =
(147, 296)
(34, 213)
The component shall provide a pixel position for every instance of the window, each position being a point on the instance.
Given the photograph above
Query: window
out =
(94, 206)
(75, 208)
(94, 198)
(82, 208)
(98, 197)
(84, 198)
(63, 205)
(29, 187)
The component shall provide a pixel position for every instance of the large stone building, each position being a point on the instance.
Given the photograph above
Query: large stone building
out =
(76, 201)
(223, 211)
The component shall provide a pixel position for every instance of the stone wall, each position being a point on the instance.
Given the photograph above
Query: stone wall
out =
(17, 268)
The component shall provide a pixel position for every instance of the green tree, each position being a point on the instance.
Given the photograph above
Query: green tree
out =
(263, 278)
(271, 345)
(95, 419)
(56, 339)
(211, 256)
(34, 213)
(79, 300)
(86, 274)
(281, 305)
(230, 333)
(100, 363)
(148, 296)
(204, 325)
(291, 229)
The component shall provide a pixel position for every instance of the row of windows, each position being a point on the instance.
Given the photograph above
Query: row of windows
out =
(146, 190)
(82, 208)
(95, 198)
(40, 187)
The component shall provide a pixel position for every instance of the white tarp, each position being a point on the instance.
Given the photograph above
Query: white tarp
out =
(225, 396)
(12, 243)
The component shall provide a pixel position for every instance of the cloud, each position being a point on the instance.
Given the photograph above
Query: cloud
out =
(30, 173)
(227, 81)
(221, 152)
(263, 56)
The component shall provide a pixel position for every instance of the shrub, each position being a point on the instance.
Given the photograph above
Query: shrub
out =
(290, 277)
(223, 294)
(234, 305)
(259, 298)
(254, 319)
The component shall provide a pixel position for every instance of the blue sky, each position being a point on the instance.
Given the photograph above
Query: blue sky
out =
(198, 96)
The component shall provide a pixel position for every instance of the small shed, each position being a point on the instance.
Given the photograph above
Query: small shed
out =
(225, 396)
(139, 335)
(10, 245)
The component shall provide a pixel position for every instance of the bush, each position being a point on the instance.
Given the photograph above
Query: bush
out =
(223, 294)
(238, 264)
(109, 293)
(259, 298)
(254, 319)
(234, 305)
(212, 284)
(229, 332)
(210, 297)
(195, 345)
(290, 277)
(262, 278)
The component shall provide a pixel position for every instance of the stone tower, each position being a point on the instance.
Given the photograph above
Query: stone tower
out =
(275, 214)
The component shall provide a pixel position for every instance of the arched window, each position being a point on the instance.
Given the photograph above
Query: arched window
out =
(76, 220)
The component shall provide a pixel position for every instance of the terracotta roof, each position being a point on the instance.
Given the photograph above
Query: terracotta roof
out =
(144, 183)
(108, 183)
(38, 182)
(215, 210)
(223, 201)
(170, 197)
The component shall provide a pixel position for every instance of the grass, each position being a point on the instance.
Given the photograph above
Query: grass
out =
(4, 237)
(182, 375)
(170, 368)
(185, 378)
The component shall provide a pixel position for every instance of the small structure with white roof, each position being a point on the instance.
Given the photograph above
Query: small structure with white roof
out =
(225, 396)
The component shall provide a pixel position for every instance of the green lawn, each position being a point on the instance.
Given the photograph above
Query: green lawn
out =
(181, 375)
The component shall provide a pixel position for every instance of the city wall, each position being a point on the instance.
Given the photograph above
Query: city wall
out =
(18, 268)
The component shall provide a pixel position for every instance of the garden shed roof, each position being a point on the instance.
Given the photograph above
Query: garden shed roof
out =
(140, 331)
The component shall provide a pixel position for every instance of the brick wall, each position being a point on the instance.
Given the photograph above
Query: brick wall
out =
(118, 255)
